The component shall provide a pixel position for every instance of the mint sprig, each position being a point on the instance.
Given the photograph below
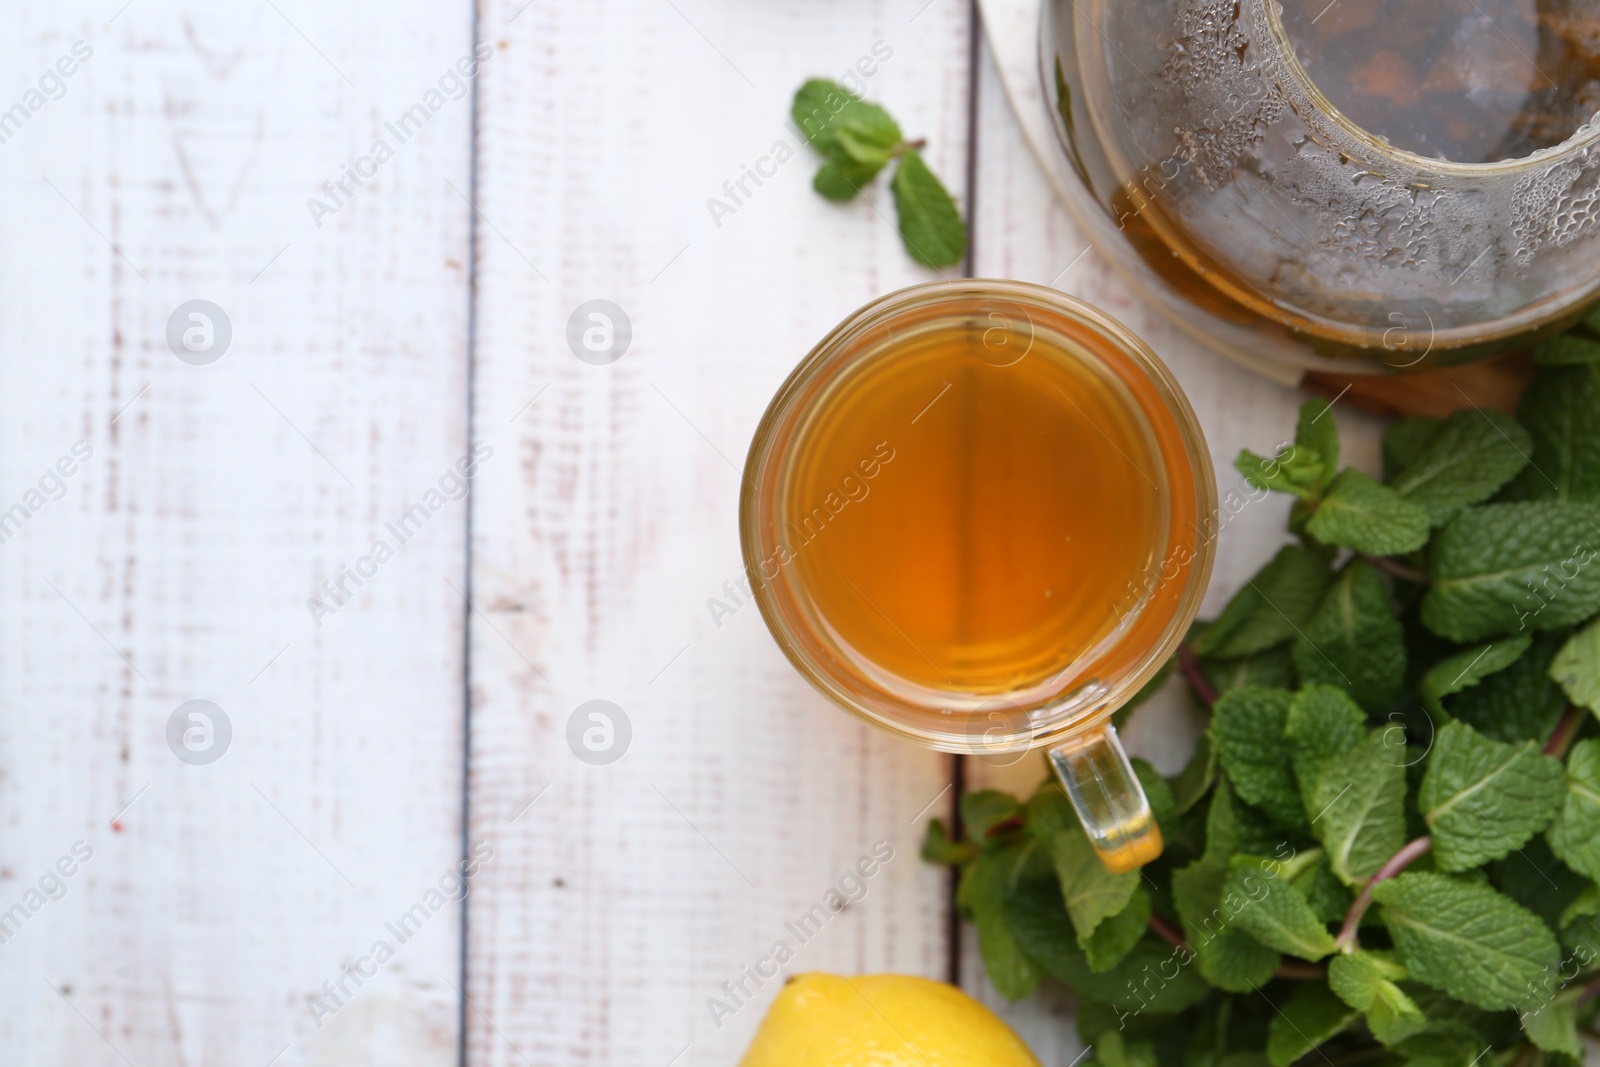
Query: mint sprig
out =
(1386, 848)
(857, 140)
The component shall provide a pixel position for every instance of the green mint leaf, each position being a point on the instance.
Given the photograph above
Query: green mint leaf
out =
(1291, 470)
(841, 179)
(1270, 607)
(1553, 1027)
(930, 225)
(1580, 933)
(1354, 641)
(1197, 776)
(1328, 897)
(1247, 731)
(1040, 925)
(1466, 939)
(866, 145)
(938, 848)
(1367, 982)
(1357, 807)
(1111, 1050)
(1323, 723)
(822, 108)
(984, 809)
(1481, 799)
(1402, 443)
(1049, 812)
(1316, 432)
(1577, 667)
(1091, 893)
(1504, 568)
(1310, 1016)
(1227, 957)
(985, 885)
(1561, 409)
(1232, 827)
(1269, 669)
(1278, 914)
(1470, 666)
(1520, 703)
(1574, 836)
(1115, 937)
(1465, 461)
(1163, 802)
(1362, 513)
(1568, 350)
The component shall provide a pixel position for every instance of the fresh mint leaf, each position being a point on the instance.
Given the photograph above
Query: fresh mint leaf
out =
(1317, 432)
(1367, 981)
(1403, 442)
(841, 179)
(1465, 461)
(870, 146)
(1470, 666)
(1574, 836)
(1163, 802)
(1310, 1016)
(1577, 667)
(1277, 914)
(983, 810)
(1272, 668)
(1362, 513)
(1520, 703)
(1568, 350)
(1504, 568)
(938, 848)
(1357, 807)
(1553, 1026)
(1290, 470)
(1270, 607)
(1197, 776)
(1247, 731)
(823, 108)
(1111, 1050)
(930, 225)
(1561, 409)
(1354, 641)
(1091, 893)
(1467, 939)
(1115, 937)
(1481, 799)
(1322, 724)
(985, 885)
(1040, 925)
(1233, 826)
(1227, 957)
(1328, 897)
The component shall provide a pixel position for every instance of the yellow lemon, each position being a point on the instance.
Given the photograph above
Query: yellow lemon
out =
(881, 1020)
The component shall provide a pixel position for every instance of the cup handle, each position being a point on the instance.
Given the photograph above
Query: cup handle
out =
(1099, 780)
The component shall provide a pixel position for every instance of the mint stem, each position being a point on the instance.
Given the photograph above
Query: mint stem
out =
(1167, 932)
(1395, 569)
(1346, 940)
(1189, 664)
(1566, 729)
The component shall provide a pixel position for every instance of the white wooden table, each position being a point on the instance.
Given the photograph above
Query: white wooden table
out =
(421, 712)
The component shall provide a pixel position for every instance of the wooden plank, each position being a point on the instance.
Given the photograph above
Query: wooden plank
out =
(1025, 233)
(177, 563)
(628, 893)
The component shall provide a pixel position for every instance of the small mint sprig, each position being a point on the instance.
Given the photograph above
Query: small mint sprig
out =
(857, 140)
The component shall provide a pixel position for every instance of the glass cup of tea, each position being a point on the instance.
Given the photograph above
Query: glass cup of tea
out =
(981, 515)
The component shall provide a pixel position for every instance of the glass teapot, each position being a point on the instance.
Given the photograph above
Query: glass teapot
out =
(1393, 184)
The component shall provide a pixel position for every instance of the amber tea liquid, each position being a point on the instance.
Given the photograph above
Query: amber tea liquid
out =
(960, 521)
